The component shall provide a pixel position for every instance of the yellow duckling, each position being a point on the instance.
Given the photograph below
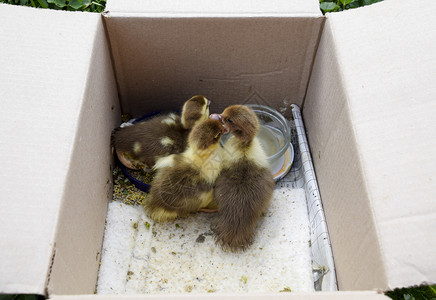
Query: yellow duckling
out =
(183, 183)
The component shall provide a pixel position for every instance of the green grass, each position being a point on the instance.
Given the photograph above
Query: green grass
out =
(99, 5)
(72, 5)
(21, 297)
(413, 293)
(339, 5)
(424, 292)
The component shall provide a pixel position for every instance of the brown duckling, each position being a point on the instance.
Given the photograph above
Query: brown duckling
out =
(245, 185)
(183, 182)
(139, 145)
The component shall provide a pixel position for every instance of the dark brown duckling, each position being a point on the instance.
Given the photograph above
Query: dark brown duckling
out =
(139, 145)
(245, 186)
(183, 182)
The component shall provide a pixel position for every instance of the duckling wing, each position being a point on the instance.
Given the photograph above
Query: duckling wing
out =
(179, 189)
(147, 140)
(242, 192)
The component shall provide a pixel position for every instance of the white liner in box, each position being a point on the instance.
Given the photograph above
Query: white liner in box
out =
(303, 175)
(139, 256)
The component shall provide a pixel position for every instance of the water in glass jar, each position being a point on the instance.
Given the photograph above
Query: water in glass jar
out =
(271, 139)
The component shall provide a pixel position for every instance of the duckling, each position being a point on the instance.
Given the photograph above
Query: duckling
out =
(137, 146)
(183, 183)
(245, 185)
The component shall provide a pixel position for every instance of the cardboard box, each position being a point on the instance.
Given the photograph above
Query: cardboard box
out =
(66, 77)
(368, 113)
(60, 104)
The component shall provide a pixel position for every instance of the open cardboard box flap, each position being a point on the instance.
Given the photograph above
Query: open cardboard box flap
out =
(56, 173)
(369, 114)
(60, 103)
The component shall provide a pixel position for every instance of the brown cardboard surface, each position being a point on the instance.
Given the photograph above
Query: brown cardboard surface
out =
(372, 137)
(89, 183)
(163, 61)
(42, 87)
(339, 174)
(370, 295)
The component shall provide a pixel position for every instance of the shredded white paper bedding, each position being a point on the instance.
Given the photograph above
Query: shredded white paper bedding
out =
(181, 256)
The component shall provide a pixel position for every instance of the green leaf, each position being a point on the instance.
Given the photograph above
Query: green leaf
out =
(96, 7)
(415, 292)
(8, 297)
(345, 2)
(329, 6)
(352, 4)
(59, 3)
(368, 2)
(20, 297)
(76, 4)
(95, 3)
(24, 2)
(44, 4)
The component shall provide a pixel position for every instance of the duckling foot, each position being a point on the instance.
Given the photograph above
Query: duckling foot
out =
(125, 161)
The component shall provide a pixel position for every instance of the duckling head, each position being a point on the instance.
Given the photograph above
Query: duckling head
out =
(195, 110)
(240, 121)
(206, 135)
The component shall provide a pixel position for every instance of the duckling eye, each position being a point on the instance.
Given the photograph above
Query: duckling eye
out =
(230, 121)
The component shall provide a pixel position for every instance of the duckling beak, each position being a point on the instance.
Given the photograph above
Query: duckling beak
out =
(225, 129)
(218, 117)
